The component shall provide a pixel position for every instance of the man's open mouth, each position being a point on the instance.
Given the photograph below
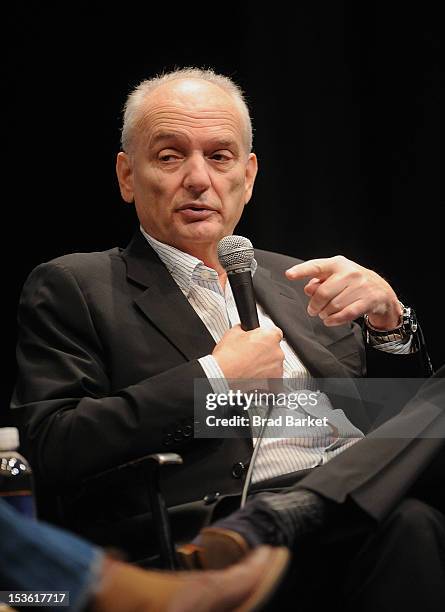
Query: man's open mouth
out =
(195, 212)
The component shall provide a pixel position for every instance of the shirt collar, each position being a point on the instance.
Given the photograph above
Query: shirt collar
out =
(183, 267)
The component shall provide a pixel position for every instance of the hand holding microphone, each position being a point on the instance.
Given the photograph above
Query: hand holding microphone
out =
(246, 351)
(252, 354)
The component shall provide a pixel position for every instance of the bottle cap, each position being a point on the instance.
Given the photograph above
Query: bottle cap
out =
(9, 438)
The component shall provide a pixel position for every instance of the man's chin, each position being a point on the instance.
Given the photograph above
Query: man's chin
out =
(204, 232)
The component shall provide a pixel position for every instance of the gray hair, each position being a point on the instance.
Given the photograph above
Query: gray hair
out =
(138, 94)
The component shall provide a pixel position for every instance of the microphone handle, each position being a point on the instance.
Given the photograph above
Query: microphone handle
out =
(242, 289)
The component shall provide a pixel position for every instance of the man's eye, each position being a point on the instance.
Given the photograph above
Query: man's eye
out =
(221, 157)
(168, 157)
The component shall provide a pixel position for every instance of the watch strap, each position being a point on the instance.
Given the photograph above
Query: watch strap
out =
(402, 333)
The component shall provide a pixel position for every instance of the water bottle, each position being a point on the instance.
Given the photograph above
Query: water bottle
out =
(15, 474)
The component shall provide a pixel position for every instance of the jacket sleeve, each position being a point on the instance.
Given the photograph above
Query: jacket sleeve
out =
(73, 425)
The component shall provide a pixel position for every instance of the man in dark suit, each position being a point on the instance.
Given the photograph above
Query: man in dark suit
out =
(111, 343)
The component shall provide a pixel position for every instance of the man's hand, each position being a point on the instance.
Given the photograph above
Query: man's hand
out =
(341, 291)
(250, 354)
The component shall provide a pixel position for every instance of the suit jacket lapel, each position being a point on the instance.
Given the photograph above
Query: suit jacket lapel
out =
(289, 313)
(164, 303)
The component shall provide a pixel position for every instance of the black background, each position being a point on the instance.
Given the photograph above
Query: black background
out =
(347, 101)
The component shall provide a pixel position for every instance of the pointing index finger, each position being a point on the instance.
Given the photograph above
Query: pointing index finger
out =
(321, 268)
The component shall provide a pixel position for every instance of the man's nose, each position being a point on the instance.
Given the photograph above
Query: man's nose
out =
(197, 178)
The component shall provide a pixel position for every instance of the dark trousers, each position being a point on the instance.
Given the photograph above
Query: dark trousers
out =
(394, 564)
(359, 563)
(398, 565)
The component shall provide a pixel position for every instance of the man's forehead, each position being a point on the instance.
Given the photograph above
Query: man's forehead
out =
(189, 104)
(196, 97)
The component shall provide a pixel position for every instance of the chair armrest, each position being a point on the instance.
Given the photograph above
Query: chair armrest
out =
(158, 458)
(152, 465)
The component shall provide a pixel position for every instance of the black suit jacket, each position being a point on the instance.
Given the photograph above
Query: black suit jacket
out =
(107, 354)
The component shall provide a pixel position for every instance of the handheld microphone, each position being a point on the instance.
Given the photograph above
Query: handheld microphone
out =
(235, 254)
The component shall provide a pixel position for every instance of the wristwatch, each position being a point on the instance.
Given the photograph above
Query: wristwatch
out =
(401, 333)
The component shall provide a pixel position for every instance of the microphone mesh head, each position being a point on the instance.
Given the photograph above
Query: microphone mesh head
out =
(235, 253)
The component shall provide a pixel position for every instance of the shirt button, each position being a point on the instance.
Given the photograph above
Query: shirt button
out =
(206, 274)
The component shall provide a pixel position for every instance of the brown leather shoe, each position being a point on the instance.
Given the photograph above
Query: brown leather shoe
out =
(218, 548)
(221, 548)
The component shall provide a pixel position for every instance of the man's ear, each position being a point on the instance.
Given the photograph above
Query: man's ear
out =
(251, 172)
(124, 173)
